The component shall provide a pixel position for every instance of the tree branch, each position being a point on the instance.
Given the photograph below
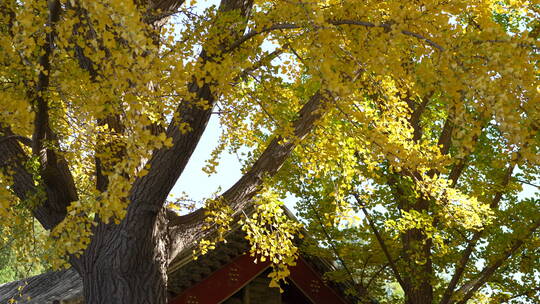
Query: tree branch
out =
(465, 292)
(381, 242)
(186, 230)
(55, 173)
(115, 124)
(253, 33)
(364, 294)
(41, 119)
(164, 7)
(467, 252)
(445, 139)
(281, 26)
(13, 159)
(416, 115)
(526, 293)
(388, 27)
(460, 166)
(265, 60)
(167, 164)
(456, 170)
(22, 139)
(528, 183)
(377, 273)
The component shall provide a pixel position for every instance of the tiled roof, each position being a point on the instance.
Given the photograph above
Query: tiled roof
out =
(65, 285)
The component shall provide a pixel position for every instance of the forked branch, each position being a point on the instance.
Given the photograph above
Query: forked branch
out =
(185, 230)
(465, 292)
(167, 164)
(381, 242)
(467, 252)
(57, 179)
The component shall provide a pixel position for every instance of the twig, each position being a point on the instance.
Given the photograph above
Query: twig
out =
(363, 289)
(381, 241)
(281, 26)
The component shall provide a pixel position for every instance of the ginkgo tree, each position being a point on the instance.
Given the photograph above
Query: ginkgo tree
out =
(427, 108)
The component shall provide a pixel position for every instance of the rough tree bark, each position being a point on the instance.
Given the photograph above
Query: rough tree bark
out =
(127, 263)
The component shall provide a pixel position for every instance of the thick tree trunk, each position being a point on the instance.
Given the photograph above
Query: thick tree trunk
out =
(419, 297)
(418, 277)
(109, 281)
(421, 291)
(418, 280)
(127, 263)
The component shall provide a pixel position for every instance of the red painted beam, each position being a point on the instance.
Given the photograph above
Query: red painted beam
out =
(223, 283)
(227, 280)
(312, 285)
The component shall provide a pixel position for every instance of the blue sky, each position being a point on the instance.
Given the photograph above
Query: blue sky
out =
(197, 184)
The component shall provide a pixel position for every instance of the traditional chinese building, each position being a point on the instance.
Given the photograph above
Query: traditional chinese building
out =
(227, 274)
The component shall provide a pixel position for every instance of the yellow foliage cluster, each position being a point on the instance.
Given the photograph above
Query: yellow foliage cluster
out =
(271, 233)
